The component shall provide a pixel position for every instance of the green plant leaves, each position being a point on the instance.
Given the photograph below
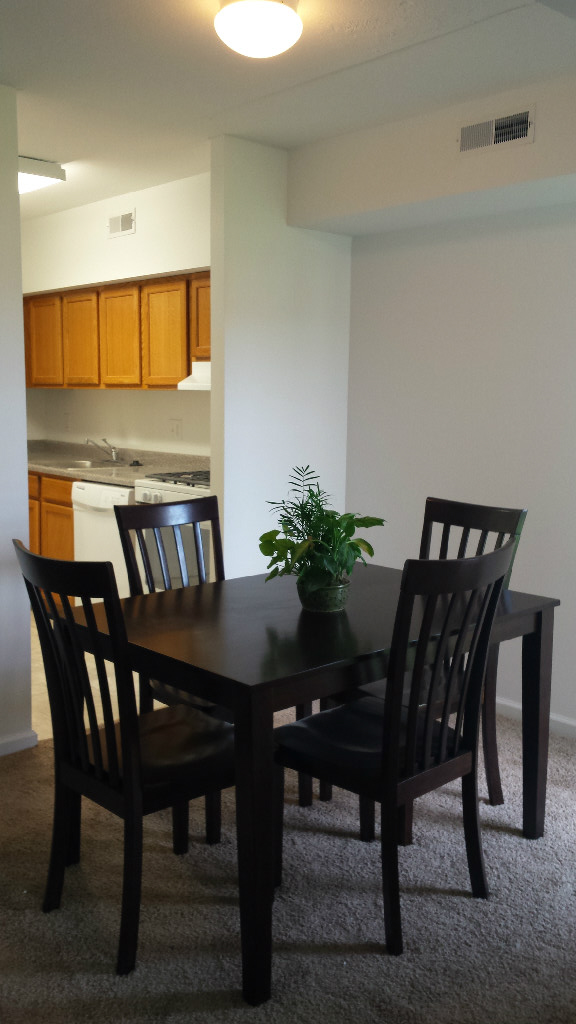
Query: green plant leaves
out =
(314, 542)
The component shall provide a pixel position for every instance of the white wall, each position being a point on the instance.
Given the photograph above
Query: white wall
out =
(72, 248)
(412, 172)
(280, 323)
(15, 728)
(463, 362)
(151, 420)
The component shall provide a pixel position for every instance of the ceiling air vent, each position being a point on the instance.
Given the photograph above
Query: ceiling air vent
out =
(512, 128)
(124, 224)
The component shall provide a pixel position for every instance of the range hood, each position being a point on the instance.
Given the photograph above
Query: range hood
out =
(199, 379)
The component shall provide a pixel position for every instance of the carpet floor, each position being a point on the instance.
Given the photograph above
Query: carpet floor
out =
(510, 959)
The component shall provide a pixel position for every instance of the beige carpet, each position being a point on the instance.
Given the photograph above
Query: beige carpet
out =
(508, 960)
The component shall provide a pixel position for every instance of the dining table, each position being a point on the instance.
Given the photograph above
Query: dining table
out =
(247, 644)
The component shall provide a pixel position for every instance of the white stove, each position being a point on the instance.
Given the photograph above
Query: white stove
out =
(163, 487)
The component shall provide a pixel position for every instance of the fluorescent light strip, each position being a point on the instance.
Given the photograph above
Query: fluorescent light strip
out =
(34, 174)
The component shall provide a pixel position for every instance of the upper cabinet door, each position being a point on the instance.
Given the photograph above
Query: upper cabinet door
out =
(200, 316)
(43, 323)
(119, 309)
(165, 358)
(80, 339)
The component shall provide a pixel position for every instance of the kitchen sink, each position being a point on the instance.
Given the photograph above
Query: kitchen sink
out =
(83, 464)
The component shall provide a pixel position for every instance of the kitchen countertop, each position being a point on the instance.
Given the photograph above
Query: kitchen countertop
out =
(59, 458)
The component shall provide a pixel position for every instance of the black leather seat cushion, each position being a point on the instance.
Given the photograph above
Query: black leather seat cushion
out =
(180, 741)
(174, 739)
(349, 735)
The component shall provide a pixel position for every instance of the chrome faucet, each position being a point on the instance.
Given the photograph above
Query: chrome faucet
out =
(108, 448)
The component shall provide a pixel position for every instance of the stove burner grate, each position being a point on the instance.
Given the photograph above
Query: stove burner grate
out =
(192, 478)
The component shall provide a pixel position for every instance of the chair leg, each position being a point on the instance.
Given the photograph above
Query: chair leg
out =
(278, 824)
(367, 810)
(60, 847)
(304, 790)
(131, 892)
(391, 881)
(304, 781)
(368, 821)
(325, 790)
(146, 699)
(489, 740)
(473, 835)
(213, 806)
(73, 854)
(405, 823)
(180, 822)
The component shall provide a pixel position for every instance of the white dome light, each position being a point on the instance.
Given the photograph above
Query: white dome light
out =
(258, 28)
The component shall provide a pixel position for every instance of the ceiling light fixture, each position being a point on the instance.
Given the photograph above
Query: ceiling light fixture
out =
(34, 174)
(258, 28)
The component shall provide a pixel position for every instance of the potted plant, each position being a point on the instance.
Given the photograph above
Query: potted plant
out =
(315, 543)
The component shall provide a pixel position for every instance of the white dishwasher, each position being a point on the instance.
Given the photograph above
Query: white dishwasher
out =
(96, 536)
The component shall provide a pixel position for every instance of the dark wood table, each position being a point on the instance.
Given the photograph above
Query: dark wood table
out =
(247, 644)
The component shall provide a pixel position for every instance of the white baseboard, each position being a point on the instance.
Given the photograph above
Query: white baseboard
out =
(18, 741)
(560, 725)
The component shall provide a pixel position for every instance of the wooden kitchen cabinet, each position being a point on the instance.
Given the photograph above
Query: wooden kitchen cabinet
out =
(56, 518)
(199, 291)
(62, 340)
(165, 357)
(34, 512)
(51, 516)
(119, 309)
(130, 335)
(80, 339)
(43, 326)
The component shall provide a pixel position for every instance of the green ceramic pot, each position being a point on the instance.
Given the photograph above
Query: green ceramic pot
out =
(326, 599)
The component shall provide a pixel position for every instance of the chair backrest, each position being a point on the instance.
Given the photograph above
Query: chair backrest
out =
(164, 545)
(87, 693)
(438, 657)
(466, 529)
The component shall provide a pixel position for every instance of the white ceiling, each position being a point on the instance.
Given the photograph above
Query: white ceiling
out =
(127, 93)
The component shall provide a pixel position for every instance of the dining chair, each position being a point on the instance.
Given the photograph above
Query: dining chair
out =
(454, 529)
(474, 529)
(167, 546)
(458, 529)
(129, 764)
(425, 731)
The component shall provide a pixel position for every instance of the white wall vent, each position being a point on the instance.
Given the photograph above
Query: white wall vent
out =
(512, 128)
(124, 224)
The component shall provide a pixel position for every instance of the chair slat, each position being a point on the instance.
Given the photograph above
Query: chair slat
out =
(463, 548)
(162, 557)
(419, 689)
(482, 540)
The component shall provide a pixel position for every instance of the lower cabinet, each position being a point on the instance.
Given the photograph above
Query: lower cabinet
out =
(51, 516)
(34, 512)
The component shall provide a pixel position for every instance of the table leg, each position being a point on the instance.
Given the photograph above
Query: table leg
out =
(254, 822)
(305, 790)
(536, 683)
